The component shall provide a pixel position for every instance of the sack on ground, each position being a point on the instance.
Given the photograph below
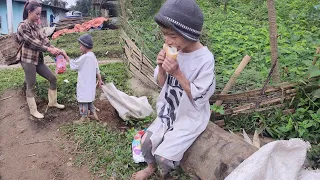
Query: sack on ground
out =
(128, 107)
(281, 160)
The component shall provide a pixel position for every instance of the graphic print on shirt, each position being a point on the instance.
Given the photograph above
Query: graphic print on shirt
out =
(172, 96)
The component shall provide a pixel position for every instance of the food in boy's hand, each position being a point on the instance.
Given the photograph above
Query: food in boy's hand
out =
(171, 52)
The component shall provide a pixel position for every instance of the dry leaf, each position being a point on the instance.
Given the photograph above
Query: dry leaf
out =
(256, 139)
(246, 137)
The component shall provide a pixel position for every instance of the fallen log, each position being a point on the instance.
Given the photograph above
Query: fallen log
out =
(215, 154)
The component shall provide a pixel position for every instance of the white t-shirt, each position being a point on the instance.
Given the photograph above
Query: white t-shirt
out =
(88, 68)
(182, 119)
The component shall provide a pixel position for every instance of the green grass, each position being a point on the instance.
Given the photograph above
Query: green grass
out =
(11, 78)
(106, 151)
(104, 41)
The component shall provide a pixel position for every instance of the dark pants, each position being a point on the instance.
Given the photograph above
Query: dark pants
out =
(85, 107)
(30, 71)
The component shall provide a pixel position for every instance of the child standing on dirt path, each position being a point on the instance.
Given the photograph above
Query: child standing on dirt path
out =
(88, 70)
(183, 109)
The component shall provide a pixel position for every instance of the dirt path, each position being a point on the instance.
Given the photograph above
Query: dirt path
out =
(35, 150)
(19, 66)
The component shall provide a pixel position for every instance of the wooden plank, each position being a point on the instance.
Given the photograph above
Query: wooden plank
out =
(143, 78)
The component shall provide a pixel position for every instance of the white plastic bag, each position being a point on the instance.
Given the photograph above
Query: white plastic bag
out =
(127, 106)
(278, 160)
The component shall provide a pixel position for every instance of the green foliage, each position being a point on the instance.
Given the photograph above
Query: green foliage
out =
(104, 41)
(114, 72)
(303, 123)
(314, 156)
(57, 3)
(217, 109)
(244, 29)
(11, 78)
(84, 6)
(141, 9)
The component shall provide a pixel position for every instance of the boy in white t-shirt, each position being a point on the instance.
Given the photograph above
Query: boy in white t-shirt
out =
(88, 70)
(188, 82)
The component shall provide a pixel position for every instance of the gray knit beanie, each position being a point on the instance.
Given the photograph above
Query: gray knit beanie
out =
(86, 40)
(183, 16)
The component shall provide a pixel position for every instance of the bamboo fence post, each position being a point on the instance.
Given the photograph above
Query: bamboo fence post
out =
(234, 77)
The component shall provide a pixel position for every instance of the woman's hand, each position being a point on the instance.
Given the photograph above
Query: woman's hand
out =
(54, 51)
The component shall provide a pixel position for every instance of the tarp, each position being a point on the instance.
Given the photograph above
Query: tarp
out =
(94, 23)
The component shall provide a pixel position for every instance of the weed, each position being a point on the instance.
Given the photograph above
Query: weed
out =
(107, 152)
(11, 78)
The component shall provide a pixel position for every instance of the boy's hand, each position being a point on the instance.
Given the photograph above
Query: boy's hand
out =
(161, 57)
(171, 66)
(65, 55)
(100, 83)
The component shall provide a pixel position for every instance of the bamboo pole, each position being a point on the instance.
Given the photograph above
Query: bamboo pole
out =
(234, 77)
(123, 10)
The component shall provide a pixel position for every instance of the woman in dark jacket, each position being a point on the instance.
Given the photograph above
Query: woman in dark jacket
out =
(31, 56)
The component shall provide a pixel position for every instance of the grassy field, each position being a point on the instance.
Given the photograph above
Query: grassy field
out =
(106, 44)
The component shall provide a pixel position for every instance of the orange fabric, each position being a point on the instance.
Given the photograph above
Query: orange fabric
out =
(81, 27)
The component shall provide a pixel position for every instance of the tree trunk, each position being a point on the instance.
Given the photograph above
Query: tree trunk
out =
(273, 40)
(215, 154)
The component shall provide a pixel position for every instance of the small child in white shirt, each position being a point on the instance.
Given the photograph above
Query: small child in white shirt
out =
(88, 70)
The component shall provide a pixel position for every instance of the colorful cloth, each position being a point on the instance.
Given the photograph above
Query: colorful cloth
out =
(136, 147)
(94, 23)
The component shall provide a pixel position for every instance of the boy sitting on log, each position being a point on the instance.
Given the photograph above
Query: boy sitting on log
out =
(188, 81)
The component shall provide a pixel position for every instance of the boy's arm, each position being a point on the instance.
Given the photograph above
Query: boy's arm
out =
(172, 67)
(160, 75)
(100, 82)
(76, 64)
(200, 90)
(184, 82)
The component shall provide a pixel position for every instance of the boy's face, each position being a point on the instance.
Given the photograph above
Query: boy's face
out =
(174, 39)
(83, 49)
